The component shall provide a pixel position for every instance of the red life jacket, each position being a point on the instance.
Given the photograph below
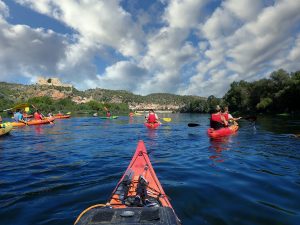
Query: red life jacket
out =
(37, 116)
(151, 118)
(225, 116)
(216, 117)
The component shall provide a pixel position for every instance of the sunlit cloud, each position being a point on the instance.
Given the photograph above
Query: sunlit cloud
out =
(179, 46)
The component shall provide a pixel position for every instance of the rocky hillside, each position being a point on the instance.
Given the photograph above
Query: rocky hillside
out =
(159, 101)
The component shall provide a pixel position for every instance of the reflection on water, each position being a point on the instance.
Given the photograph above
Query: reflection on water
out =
(280, 124)
(38, 129)
(49, 174)
(152, 133)
(217, 145)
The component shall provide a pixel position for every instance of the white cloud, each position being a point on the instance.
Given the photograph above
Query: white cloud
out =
(29, 52)
(294, 55)
(184, 13)
(100, 22)
(245, 10)
(247, 45)
(4, 11)
(215, 82)
(261, 41)
(123, 75)
(186, 50)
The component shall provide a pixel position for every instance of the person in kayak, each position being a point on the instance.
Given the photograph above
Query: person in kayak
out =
(59, 113)
(217, 119)
(18, 116)
(228, 116)
(151, 117)
(108, 114)
(37, 115)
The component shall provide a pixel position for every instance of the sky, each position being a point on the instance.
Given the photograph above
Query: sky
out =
(186, 47)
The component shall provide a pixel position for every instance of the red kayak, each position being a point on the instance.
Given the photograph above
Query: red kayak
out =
(152, 125)
(212, 133)
(138, 198)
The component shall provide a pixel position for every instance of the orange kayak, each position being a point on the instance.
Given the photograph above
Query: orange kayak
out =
(62, 116)
(138, 198)
(212, 133)
(33, 122)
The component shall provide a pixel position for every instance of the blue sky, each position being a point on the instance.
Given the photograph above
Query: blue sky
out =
(187, 47)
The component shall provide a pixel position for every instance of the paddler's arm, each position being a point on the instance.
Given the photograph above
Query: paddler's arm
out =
(224, 120)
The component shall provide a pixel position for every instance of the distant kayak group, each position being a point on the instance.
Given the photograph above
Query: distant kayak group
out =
(138, 197)
(22, 117)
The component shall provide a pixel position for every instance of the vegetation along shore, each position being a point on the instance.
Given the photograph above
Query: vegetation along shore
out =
(277, 94)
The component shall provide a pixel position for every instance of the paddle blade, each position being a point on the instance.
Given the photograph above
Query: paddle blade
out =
(68, 113)
(167, 119)
(21, 106)
(193, 124)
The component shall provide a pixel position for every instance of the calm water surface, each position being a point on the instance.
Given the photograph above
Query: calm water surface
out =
(49, 174)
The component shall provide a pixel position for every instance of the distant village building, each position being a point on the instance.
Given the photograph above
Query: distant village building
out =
(52, 82)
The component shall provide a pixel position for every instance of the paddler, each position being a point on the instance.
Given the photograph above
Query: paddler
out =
(228, 116)
(18, 116)
(37, 115)
(217, 119)
(151, 117)
(108, 114)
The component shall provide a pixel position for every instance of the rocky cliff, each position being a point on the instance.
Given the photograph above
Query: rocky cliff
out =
(158, 101)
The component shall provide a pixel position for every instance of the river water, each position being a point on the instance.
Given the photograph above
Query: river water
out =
(50, 173)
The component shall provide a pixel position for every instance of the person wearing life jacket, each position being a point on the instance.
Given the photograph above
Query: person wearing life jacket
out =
(217, 119)
(18, 116)
(228, 116)
(37, 115)
(151, 117)
(108, 114)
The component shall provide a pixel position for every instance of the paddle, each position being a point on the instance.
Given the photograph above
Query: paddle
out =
(20, 106)
(23, 121)
(68, 113)
(167, 119)
(44, 116)
(193, 124)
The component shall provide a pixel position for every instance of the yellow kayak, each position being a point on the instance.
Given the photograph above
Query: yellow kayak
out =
(5, 128)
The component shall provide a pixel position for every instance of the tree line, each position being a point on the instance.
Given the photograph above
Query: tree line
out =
(278, 94)
(48, 105)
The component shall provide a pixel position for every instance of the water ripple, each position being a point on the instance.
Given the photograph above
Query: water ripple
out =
(49, 174)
